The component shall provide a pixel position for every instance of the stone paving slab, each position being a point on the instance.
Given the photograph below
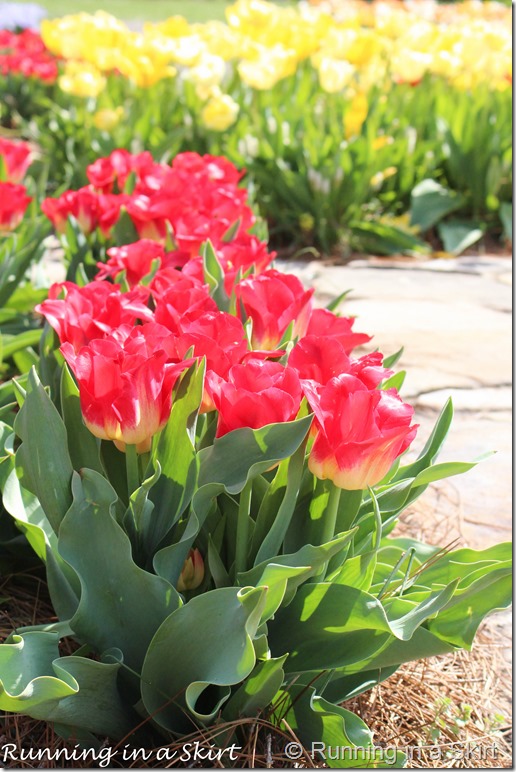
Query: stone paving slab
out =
(453, 318)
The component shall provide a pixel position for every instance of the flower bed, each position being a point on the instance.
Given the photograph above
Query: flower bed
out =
(413, 104)
(210, 473)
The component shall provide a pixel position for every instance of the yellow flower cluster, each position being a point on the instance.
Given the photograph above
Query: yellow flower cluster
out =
(351, 44)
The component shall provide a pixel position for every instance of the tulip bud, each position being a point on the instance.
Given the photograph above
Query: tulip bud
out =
(192, 573)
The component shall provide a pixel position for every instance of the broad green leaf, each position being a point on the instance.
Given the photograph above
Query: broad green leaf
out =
(257, 691)
(121, 605)
(430, 202)
(458, 236)
(309, 558)
(82, 445)
(458, 623)
(73, 691)
(432, 446)
(42, 460)
(328, 626)
(271, 544)
(177, 457)
(332, 733)
(243, 454)
(206, 642)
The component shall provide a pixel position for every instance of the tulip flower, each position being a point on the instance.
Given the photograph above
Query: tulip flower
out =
(256, 394)
(220, 112)
(192, 572)
(16, 157)
(91, 210)
(125, 384)
(135, 259)
(360, 434)
(183, 302)
(94, 311)
(13, 203)
(325, 323)
(273, 301)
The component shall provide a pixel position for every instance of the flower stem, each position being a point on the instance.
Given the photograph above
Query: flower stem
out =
(131, 466)
(330, 521)
(242, 535)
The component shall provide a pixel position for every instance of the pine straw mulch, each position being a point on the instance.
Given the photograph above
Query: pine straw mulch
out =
(446, 712)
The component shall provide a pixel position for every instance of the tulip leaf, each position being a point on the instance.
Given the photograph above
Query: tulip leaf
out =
(457, 236)
(206, 642)
(82, 445)
(243, 454)
(175, 451)
(430, 202)
(324, 728)
(72, 691)
(327, 626)
(432, 447)
(257, 691)
(42, 460)
(168, 562)
(121, 605)
(308, 558)
(271, 544)
(458, 623)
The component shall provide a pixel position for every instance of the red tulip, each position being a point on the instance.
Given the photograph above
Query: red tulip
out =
(220, 338)
(125, 384)
(91, 210)
(318, 360)
(113, 170)
(325, 323)
(13, 203)
(135, 259)
(16, 158)
(274, 300)
(192, 572)
(360, 434)
(256, 394)
(183, 302)
(91, 312)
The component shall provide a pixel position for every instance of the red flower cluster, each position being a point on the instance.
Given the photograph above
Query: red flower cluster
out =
(126, 349)
(26, 54)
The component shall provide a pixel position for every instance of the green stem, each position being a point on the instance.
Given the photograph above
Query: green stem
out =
(242, 535)
(330, 521)
(131, 466)
(330, 516)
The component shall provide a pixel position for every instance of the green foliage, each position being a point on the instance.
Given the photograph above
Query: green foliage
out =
(299, 630)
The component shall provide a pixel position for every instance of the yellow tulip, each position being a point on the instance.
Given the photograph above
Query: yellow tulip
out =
(220, 112)
(355, 115)
(107, 119)
(82, 79)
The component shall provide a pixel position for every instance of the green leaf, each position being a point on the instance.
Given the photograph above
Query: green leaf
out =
(176, 454)
(243, 454)
(328, 626)
(82, 445)
(42, 460)
(121, 605)
(206, 642)
(457, 236)
(432, 447)
(257, 691)
(72, 691)
(430, 202)
(458, 623)
(333, 733)
(271, 544)
(380, 238)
